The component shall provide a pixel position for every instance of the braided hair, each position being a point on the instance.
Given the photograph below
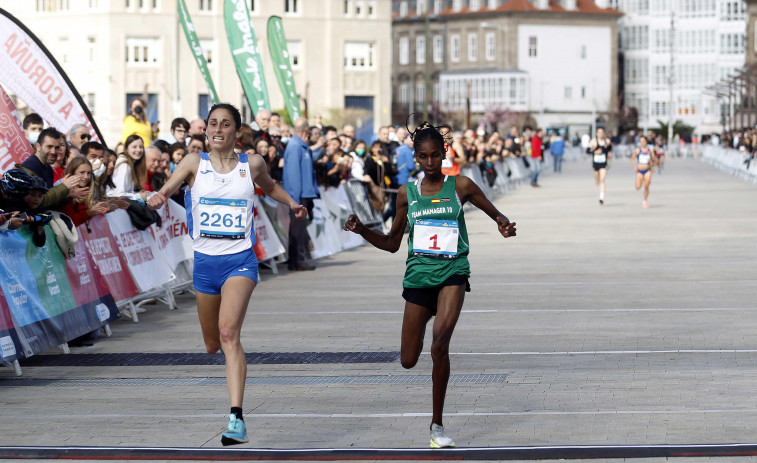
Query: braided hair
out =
(426, 131)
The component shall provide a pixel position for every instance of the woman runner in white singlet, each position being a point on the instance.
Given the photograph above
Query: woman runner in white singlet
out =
(643, 160)
(219, 205)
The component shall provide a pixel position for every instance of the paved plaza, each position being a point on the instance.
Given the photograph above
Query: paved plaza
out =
(596, 325)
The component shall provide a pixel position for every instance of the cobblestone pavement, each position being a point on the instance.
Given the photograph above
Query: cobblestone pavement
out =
(595, 325)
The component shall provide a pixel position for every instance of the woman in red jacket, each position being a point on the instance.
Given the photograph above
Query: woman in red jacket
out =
(81, 210)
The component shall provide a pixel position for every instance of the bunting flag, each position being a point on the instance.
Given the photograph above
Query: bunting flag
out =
(194, 45)
(244, 49)
(282, 66)
(29, 71)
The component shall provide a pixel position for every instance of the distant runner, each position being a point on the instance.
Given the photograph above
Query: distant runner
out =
(600, 150)
(643, 159)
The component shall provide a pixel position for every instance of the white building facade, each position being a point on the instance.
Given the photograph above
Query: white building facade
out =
(708, 44)
(552, 61)
(112, 50)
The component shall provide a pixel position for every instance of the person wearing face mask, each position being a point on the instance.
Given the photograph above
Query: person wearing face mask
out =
(33, 125)
(94, 152)
(358, 160)
(136, 123)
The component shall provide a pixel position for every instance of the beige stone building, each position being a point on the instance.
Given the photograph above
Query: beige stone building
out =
(554, 60)
(114, 49)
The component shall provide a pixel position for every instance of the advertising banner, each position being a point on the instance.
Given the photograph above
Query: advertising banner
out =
(8, 338)
(338, 205)
(29, 71)
(90, 290)
(108, 260)
(244, 50)
(172, 237)
(147, 266)
(266, 235)
(14, 147)
(282, 66)
(194, 45)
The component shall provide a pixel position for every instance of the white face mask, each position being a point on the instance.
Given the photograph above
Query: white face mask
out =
(285, 140)
(32, 137)
(99, 167)
(393, 136)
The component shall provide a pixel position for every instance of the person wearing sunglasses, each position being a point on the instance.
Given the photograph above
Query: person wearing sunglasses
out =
(78, 135)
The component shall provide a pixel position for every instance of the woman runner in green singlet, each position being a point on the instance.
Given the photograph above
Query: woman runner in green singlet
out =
(436, 277)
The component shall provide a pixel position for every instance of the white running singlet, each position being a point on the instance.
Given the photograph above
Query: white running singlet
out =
(220, 216)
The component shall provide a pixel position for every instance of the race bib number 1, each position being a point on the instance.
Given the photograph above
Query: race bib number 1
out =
(435, 238)
(223, 218)
(600, 158)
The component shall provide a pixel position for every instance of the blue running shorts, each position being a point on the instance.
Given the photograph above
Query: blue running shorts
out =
(211, 272)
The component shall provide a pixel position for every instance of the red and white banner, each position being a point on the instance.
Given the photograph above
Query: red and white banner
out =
(148, 268)
(172, 237)
(14, 147)
(109, 261)
(29, 71)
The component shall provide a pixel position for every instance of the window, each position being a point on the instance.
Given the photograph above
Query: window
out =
(208, 45)
(291, 6)
(438, 49)
(437, 92)
(472, 47)
(93, 4)
(403, 94)
(583, 92)
(90, 100)
(583, 51)
(568, 93)
(358, 8)
(403, 8)
(404, 50)
(454, 45)
(203, 105)
(63, 44)
(420, 93)
(371, 8)
(475, 5)
(205, 5)
(532, 46)
(491, 40)
(142, 51)
(457, 5)
(358, 55)
(346, 7)
(91, 47)
(420, 49)
(421, 7)
(252, 6)
(437, 6)
(295, 53)
(492, 4)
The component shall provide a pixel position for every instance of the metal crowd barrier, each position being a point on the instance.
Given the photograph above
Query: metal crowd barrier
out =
(731, 162)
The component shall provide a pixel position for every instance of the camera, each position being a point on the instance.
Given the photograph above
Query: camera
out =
(139, 110)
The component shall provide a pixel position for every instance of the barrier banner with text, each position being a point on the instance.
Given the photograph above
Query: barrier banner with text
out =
(109, 261)
(8, 337)
(149, 269)
(172, 238)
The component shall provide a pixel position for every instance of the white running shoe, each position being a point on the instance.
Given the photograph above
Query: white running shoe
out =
(438, 438)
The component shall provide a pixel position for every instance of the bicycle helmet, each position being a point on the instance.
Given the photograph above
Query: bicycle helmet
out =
(38, 183)
(17, 183)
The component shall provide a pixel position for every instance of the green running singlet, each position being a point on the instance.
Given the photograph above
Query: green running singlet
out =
(438, 239)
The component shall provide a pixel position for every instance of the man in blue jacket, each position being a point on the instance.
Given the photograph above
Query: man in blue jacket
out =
(299, 181)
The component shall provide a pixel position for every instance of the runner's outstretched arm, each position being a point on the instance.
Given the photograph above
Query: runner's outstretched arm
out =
(392, 241)
(473, 194)
(265, 182)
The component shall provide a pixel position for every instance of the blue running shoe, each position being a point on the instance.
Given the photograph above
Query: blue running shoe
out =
(236, 433)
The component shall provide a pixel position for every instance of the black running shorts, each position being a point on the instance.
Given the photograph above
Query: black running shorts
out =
(427, 297)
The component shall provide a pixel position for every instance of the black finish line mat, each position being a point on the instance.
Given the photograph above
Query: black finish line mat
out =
(473, 453)
(137, 359)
